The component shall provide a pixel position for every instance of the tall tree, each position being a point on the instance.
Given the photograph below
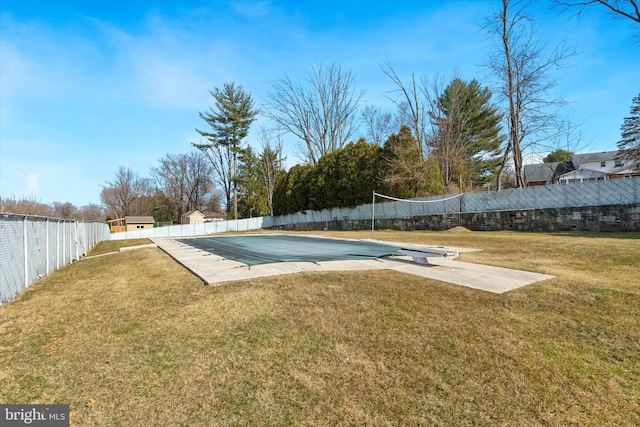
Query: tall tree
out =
(412, 100)
(466, 139)
(185, 181)
(252, 199)
(229, 120)
(404, 173)
(322, 113)
(126, 194)
(270, 164)
(629, 145)
(523, 68)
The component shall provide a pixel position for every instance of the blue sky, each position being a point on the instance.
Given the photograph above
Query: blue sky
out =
(88, 86)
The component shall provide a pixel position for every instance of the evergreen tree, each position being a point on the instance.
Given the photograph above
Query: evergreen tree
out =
(558, 155)
(467, 135)
(629, 145)
(292, 190)
(229, 120)
(345, 177)
(252, 198)
(403, 172)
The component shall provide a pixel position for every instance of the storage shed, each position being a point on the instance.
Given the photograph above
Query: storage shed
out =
(193, 217)
(138, 222)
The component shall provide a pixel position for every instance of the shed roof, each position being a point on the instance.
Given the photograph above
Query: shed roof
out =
(192, 212)
(139, 219)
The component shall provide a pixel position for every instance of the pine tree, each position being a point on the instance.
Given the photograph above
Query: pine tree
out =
(229, 120)
(404, 173)
(629, 145)
(467, 135)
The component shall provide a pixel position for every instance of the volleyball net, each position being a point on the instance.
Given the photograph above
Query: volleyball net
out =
(387, 207)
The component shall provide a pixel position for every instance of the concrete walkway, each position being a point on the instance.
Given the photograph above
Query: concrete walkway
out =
(213, 269)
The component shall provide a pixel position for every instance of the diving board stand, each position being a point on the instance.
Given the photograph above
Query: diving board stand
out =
(421, 256)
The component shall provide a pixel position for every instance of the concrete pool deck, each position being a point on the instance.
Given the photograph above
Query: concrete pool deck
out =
(213, 269)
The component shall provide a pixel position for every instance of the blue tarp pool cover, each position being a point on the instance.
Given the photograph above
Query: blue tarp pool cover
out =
(268, 249)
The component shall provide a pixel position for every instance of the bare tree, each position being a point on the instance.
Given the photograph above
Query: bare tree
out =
(123, 194)
(378, 124)
(628, 9)
(221, 160)
(185, 180)
(65, 210)
(321, 113)
(523, 68)
(412, 101)
(91, 212)
(270, 163)
(169, 179)
(25, 206)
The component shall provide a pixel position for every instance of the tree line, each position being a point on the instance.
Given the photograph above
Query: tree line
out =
(63, 210)
(445, 135)
(464, 151)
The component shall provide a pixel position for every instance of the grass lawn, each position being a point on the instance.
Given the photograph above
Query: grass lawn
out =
(133, 339)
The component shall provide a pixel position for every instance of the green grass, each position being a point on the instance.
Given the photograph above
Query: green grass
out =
(109, 246)
(134, 339)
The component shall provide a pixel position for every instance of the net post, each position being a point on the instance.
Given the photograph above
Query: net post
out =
(373, 213)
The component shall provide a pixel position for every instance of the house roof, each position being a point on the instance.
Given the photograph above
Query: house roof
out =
(584, 174)
(209, 214)
(139, 219)
(545, 172)
(629, 166)
(603, 156)
(192, 212)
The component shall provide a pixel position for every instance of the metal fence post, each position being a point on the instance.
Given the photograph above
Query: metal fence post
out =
(26, 251)
(57, 244)
(46, 247)
(77, 240)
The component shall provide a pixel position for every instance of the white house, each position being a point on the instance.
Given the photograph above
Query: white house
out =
(598, 167)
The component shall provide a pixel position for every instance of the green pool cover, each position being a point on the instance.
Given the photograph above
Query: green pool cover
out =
(268, 249)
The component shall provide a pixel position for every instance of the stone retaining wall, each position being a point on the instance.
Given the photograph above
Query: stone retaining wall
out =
(590, 218)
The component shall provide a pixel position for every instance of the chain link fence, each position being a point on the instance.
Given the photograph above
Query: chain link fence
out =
(593, 193)
(183, 230)
(32, 247)
(578, 194)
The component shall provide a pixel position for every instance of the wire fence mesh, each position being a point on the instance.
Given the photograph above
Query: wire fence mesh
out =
(592, 193)
(32, 247)
(183, 230)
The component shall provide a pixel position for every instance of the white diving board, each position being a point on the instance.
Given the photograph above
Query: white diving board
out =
(421, 256)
